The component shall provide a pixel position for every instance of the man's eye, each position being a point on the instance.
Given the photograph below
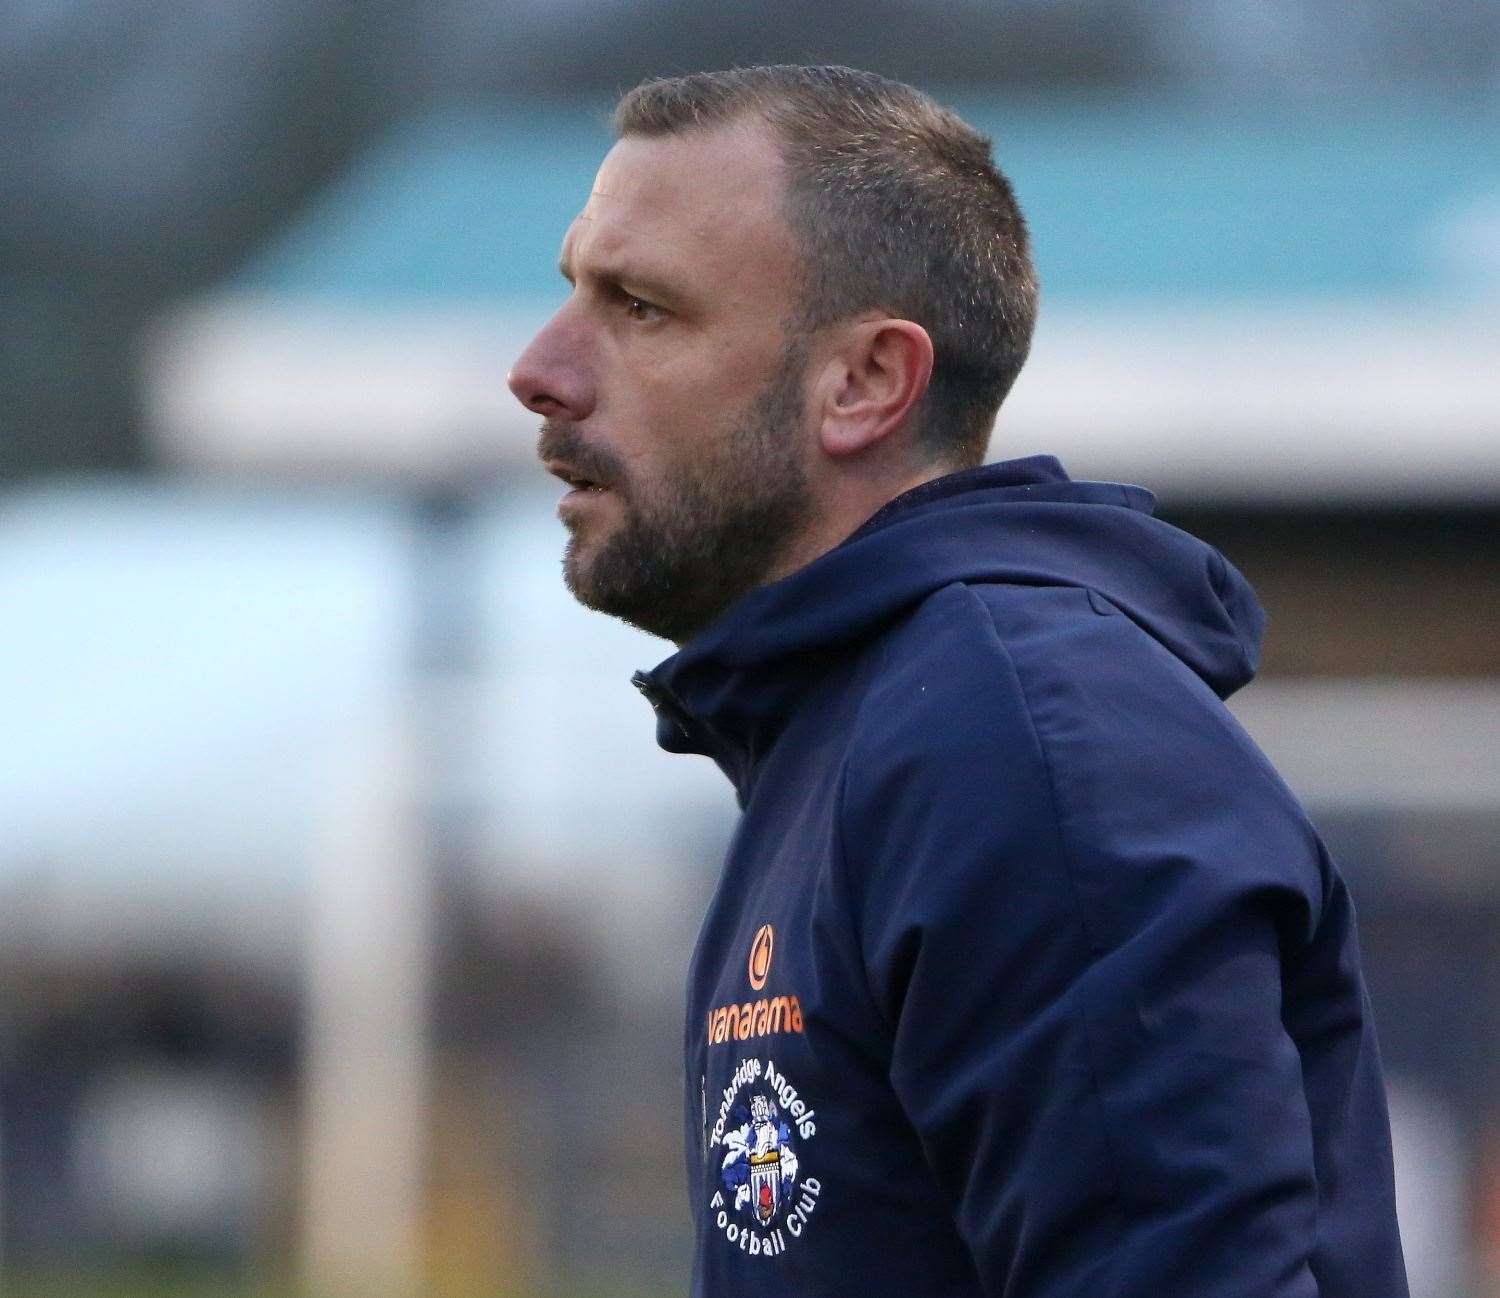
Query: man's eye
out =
(639, 309)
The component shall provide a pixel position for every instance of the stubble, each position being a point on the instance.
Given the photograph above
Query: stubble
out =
(695, 542)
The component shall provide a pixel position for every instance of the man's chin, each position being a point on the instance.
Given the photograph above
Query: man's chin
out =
(582, 575)
(613, 580)
(577, 572)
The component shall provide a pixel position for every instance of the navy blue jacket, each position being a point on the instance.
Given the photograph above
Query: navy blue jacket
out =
(1026, 975)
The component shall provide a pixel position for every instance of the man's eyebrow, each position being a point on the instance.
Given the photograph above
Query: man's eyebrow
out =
(625, 278)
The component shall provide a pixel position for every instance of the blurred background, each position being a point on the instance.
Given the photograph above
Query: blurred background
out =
(345, 899)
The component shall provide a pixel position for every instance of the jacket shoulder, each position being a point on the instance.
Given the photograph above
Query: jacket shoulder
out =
(941, 683)
(1048, 699)
(943, 731)
(975, 656)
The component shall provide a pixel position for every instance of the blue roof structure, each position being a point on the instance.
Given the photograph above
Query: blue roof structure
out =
(1150, 198)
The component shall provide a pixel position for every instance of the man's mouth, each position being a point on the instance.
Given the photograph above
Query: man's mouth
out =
(578, 481)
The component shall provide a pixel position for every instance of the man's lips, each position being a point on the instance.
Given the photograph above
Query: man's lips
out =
(576, 479)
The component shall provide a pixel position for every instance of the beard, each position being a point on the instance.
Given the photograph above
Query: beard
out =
(705, 533)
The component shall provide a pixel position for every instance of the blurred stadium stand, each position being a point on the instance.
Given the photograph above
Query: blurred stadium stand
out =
(272, 517)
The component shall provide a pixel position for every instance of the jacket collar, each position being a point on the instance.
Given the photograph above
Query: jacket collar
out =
(729, 692)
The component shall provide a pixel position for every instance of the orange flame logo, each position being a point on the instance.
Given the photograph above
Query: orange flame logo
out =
(760, 956)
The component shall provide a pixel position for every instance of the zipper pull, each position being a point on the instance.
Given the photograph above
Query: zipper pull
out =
(667, 710)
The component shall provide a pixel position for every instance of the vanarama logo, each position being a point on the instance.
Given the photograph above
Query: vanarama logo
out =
(765, 1017)
(763, 1196)
(754, 1019)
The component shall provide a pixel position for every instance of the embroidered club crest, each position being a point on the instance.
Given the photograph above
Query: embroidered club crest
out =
(761, 1201)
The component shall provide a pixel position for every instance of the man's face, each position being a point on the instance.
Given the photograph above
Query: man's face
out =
(670, 390)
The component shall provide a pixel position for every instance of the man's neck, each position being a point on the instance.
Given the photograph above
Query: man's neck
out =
(838, 517)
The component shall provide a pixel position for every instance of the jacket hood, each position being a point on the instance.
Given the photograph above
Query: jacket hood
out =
(1020, 522)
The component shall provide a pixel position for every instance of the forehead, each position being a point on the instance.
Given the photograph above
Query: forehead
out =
(709, 200)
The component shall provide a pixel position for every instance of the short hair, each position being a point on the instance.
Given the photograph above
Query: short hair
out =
(897, 205)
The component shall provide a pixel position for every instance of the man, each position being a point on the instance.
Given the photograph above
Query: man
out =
(1025, 975)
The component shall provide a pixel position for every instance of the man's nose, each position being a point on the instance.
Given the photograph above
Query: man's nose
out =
(551, 377)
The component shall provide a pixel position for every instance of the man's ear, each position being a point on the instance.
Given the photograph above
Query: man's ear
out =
(877, 373)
